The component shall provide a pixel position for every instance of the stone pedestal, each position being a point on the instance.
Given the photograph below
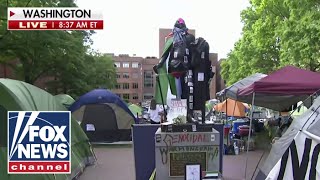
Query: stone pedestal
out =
(175, 149)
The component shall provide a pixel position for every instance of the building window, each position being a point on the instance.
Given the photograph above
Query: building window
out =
(125, 65)
(118, 86)
(118, 95)
(135, 75)
(135, 96)
(117, 64)
(147, 96)
(135, 85)
(135, 65)
(125, 75)
(118, 75)
(148, 79)
(126, 96)
(125, 86)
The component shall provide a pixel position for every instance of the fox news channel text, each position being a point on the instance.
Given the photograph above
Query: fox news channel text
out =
(54, 19)
(39, 142)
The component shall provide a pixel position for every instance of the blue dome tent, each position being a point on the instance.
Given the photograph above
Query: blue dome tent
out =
(103, 116)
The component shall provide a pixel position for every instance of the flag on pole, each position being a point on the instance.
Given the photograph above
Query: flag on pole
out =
(165, 79)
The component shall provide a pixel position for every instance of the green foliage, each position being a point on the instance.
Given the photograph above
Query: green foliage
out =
(94, 71)
(275, 34)
(61, 55)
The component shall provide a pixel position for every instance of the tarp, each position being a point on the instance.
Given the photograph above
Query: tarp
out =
(20, 96)
(289, 80)
(296, 154)
(232, 91)
(231, 108)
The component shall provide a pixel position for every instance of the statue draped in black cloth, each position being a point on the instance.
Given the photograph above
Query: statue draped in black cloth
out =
(180, 56)
(189, 67)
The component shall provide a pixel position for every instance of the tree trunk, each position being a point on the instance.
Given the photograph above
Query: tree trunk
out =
(27, 72)
(27, 79)
(65, 90)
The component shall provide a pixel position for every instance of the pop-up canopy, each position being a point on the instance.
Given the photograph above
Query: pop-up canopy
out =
(286, 81)
(232, 91)
(282, 88)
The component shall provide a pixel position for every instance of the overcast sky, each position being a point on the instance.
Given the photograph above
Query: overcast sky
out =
(132, 26)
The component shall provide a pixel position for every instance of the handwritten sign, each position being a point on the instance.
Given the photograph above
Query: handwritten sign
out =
(177, 108)
(179, 160)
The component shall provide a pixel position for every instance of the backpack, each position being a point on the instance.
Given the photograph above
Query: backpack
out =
(200, 49)
(200, 61)
(180, 56)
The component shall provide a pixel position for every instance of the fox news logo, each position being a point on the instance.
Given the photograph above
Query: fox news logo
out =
(39, 142)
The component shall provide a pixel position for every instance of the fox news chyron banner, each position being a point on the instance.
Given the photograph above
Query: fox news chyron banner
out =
(54, 19)
(39, 142)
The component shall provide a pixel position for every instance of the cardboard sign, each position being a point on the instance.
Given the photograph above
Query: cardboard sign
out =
(177, 107)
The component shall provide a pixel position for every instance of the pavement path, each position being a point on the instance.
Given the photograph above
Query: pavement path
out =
(117, 163)
(113, 164)
(234, 165)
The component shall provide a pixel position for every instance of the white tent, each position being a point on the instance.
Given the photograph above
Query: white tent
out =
(296, 154)
(232, 91)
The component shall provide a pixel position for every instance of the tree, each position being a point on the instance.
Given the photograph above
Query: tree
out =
(94, 71)
(301, 35)
(275, 34)
(38, 51)
(103, 72)
(61, 55)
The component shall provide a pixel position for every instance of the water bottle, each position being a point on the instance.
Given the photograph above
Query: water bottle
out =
(236, 148)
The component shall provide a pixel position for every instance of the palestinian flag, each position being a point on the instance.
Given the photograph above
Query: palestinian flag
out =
(166, 80)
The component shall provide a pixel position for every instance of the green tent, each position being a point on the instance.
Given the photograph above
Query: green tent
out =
(65, 99)
(20, 96)
(135, 109)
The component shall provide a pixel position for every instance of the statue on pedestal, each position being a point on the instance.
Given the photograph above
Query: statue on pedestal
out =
(185, 68)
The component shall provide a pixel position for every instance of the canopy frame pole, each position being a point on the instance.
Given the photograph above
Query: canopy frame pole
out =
(226, 110)
(249, 137)
(225, 123)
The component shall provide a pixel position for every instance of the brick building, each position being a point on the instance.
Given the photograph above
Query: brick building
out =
(135, 77)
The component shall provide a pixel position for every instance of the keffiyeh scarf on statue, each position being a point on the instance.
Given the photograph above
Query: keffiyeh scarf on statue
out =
(179, 36)
(179, 48)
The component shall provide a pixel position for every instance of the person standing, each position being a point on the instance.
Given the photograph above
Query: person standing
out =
(155, 112)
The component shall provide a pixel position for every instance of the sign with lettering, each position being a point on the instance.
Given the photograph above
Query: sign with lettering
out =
(299, 161)
(177, 107)
(179, 160)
